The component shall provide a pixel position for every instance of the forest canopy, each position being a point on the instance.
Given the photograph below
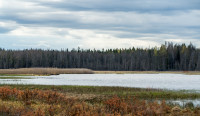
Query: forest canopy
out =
(167, 57)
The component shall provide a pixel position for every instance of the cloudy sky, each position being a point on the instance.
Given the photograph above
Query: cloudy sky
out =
(58, 24)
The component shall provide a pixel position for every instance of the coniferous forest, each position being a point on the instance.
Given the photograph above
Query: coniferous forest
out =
(167, 57)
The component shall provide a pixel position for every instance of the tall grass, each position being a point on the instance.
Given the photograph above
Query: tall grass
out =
(45, 71)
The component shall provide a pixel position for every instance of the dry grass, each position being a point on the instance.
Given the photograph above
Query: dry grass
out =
(148, 72)
(35, 102)
(97, 91)
(15, 77)
(126, 72)
(45, 71)
(56, 71)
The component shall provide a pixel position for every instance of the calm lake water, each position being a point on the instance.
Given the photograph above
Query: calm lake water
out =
(160, 81)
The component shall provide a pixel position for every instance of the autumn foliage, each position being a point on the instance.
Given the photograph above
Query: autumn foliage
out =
(37, 102)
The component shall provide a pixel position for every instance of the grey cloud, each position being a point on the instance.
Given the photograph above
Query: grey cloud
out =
(4, 30)
(134, 18)
(136, 22)
(125, 5)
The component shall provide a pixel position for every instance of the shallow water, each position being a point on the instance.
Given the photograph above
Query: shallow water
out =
(183, 103)
(160, 81)
(180, 102)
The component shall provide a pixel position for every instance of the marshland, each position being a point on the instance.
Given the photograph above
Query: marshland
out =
(92, 82)
(86, 94)
(86, 100)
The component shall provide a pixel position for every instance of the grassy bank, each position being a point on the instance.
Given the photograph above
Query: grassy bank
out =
(20, 75)
(56, 71)
(140, 93)
(42, 71)
(15, 77)
(37, 100)
(148, 72)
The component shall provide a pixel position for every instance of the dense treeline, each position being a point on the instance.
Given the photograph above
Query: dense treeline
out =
(166, 57)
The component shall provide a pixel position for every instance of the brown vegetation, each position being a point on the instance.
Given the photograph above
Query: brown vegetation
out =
(37, 102)
(148, 72)
(45, 71)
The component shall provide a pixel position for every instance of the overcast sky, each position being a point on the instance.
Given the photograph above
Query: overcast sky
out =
(60, 24)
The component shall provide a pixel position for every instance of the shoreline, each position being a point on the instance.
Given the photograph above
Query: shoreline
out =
(149, 72)
(43, 71)
(57, 71)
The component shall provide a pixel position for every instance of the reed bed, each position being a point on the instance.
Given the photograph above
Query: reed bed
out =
(36, 102)
(44, 71)
(148, 72)
(14, 77)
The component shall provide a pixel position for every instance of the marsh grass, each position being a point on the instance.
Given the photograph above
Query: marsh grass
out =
(42, 71)
(33, 101)
(149, 72)
(20, 75)
(110, 91)
(15, 77)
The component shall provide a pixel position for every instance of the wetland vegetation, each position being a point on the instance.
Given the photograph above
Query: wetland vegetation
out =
(14, 77)
(42, 71)
(83, 100)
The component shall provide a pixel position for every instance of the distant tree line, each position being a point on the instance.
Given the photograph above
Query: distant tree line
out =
(168, 57)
